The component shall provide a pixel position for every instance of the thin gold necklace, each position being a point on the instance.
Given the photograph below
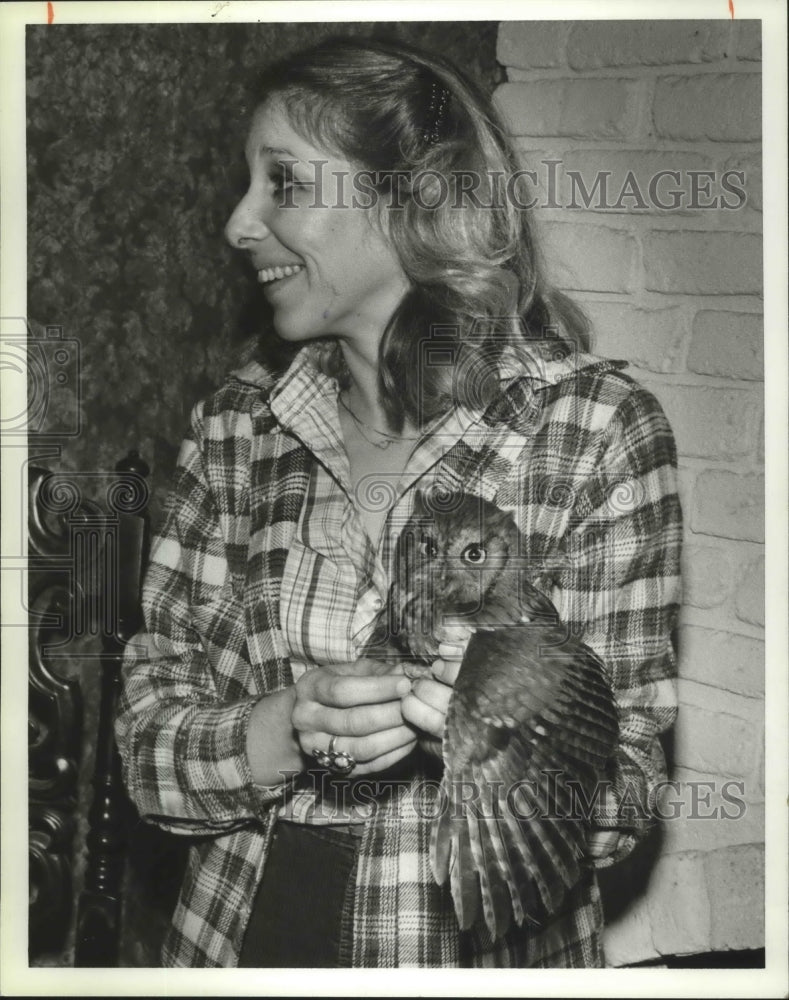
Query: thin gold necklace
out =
(389, 439)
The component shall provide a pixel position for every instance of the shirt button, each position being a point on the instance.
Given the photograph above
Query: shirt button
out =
(378, 603)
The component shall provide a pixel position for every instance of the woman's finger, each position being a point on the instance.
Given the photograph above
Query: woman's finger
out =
(424, 716)
(346, 691)
(387, 760)
(361, 720)
(363, 749)
(372, 753)
(432, 693)
(446, 671)
(452, 650)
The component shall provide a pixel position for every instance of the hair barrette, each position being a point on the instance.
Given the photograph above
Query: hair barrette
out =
(434, 120)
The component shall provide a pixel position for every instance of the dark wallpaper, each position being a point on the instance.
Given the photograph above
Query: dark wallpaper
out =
(135, 160)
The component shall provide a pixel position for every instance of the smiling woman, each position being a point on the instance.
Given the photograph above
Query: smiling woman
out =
(428, 357)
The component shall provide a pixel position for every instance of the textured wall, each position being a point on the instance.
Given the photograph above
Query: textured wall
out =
(677, 291)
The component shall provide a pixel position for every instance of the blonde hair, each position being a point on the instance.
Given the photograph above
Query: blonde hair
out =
(423, 130)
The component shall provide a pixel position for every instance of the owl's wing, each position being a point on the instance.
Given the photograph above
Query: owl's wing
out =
(531, 715)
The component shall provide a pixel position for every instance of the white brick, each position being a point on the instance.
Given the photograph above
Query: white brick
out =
(577, 108)
(730, 505)
(678, 905)
(728, 344)
(713, 699)
(687, 832)
(531, 44)
(649, 338)
(748, 790)
(588, 258)
(706, 576)
(749, 601)
(645, 43)
(714, 741)
(544, 185)
(703, 263)
(727, 661)
(710, 422)
(750, 165)
(749, 40)
(735, 883)
(628, 937)
(709, 106)
(638, 181)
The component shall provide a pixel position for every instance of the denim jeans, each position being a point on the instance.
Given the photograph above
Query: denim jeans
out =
(302, 914)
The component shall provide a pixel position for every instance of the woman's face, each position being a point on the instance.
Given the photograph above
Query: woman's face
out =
(345, 279)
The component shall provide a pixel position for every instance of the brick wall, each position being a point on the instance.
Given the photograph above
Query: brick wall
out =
(677, 291)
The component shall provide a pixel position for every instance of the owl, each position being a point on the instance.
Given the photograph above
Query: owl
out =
(531, 723)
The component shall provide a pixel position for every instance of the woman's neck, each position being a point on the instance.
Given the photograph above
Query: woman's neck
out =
(362, 395)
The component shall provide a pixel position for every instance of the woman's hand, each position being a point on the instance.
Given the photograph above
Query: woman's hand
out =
(363, 710)
(425, 706)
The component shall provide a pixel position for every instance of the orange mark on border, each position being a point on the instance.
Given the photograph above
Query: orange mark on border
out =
(51, 12)
(731, 9)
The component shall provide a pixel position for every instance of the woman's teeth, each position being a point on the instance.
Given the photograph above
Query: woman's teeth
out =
(268, 274)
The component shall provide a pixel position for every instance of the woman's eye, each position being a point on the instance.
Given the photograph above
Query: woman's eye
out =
(474, 554)
(428, 547)
(282, 180)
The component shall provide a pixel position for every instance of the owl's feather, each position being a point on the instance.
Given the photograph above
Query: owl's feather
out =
(531, 713)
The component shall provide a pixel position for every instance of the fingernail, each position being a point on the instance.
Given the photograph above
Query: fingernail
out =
(403, 686)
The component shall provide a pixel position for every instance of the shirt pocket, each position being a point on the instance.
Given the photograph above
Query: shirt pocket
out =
(318, 602)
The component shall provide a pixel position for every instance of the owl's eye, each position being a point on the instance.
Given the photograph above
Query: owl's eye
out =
(428, 547)
(474, 554)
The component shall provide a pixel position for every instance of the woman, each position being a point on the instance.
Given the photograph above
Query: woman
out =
(379, 224)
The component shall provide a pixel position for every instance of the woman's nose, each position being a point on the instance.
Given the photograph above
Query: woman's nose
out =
(245, 225)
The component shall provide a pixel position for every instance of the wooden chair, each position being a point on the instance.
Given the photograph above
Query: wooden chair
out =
(86, 562)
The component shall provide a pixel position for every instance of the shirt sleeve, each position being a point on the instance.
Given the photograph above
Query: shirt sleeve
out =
(620, 592)
(181, 721)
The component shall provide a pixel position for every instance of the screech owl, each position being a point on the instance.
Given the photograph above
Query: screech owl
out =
(531, 722)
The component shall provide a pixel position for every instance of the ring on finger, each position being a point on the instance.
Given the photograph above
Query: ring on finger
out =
(342, 762)
(338, 762)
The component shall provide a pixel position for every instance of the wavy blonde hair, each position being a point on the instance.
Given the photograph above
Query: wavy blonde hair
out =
(422, 129)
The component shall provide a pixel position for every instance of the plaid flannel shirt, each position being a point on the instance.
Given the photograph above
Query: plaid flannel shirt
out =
(584, 458)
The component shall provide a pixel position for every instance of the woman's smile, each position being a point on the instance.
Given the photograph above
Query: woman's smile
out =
(275, 275)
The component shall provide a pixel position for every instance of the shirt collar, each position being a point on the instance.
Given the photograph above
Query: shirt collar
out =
(522, 371)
